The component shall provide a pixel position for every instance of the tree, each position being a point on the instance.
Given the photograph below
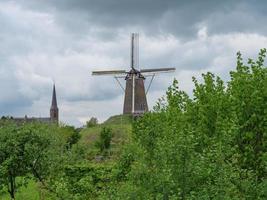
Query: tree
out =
(248, 94)
(92, 122)
(27, 151)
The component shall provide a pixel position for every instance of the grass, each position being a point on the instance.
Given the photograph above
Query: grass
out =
(30, 192)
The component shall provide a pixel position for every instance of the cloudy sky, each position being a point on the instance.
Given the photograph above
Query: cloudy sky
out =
(64, 40)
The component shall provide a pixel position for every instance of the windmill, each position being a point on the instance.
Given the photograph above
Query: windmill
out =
(135, 101)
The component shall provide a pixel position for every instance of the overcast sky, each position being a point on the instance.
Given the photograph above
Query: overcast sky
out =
(64, 40)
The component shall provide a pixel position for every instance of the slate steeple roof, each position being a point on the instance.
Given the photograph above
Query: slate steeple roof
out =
(54, 99)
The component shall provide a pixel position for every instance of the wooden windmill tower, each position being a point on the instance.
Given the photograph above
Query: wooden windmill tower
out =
(135, 101)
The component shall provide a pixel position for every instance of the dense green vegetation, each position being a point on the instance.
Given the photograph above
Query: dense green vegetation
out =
(211, 145)
(70, 160)
(208, 146)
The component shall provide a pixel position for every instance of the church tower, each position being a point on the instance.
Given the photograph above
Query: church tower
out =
(54, 108)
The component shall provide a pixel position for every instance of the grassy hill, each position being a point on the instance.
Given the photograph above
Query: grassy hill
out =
(121, 126)
(119, 120)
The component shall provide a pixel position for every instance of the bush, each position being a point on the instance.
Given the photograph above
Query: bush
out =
(104, 140)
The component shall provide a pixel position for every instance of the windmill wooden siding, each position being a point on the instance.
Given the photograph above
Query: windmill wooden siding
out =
(140, 101)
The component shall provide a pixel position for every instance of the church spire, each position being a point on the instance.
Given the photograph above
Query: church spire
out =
(54, 108)
(54, 98)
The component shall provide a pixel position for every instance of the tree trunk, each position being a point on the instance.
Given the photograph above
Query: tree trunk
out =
(11, 189)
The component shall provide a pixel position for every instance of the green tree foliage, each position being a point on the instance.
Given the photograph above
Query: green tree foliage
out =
(26, 151)
(71, 135)
(84, 181)
(208, 146)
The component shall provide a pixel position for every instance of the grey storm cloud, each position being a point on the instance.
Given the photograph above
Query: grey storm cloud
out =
(64, 40)
(178, 17)
(12, 98)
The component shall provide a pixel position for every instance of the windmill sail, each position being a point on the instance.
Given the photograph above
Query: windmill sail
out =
(135, 51)
(110, 72)
(158, 70)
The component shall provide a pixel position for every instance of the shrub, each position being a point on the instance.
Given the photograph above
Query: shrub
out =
(105, 139)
